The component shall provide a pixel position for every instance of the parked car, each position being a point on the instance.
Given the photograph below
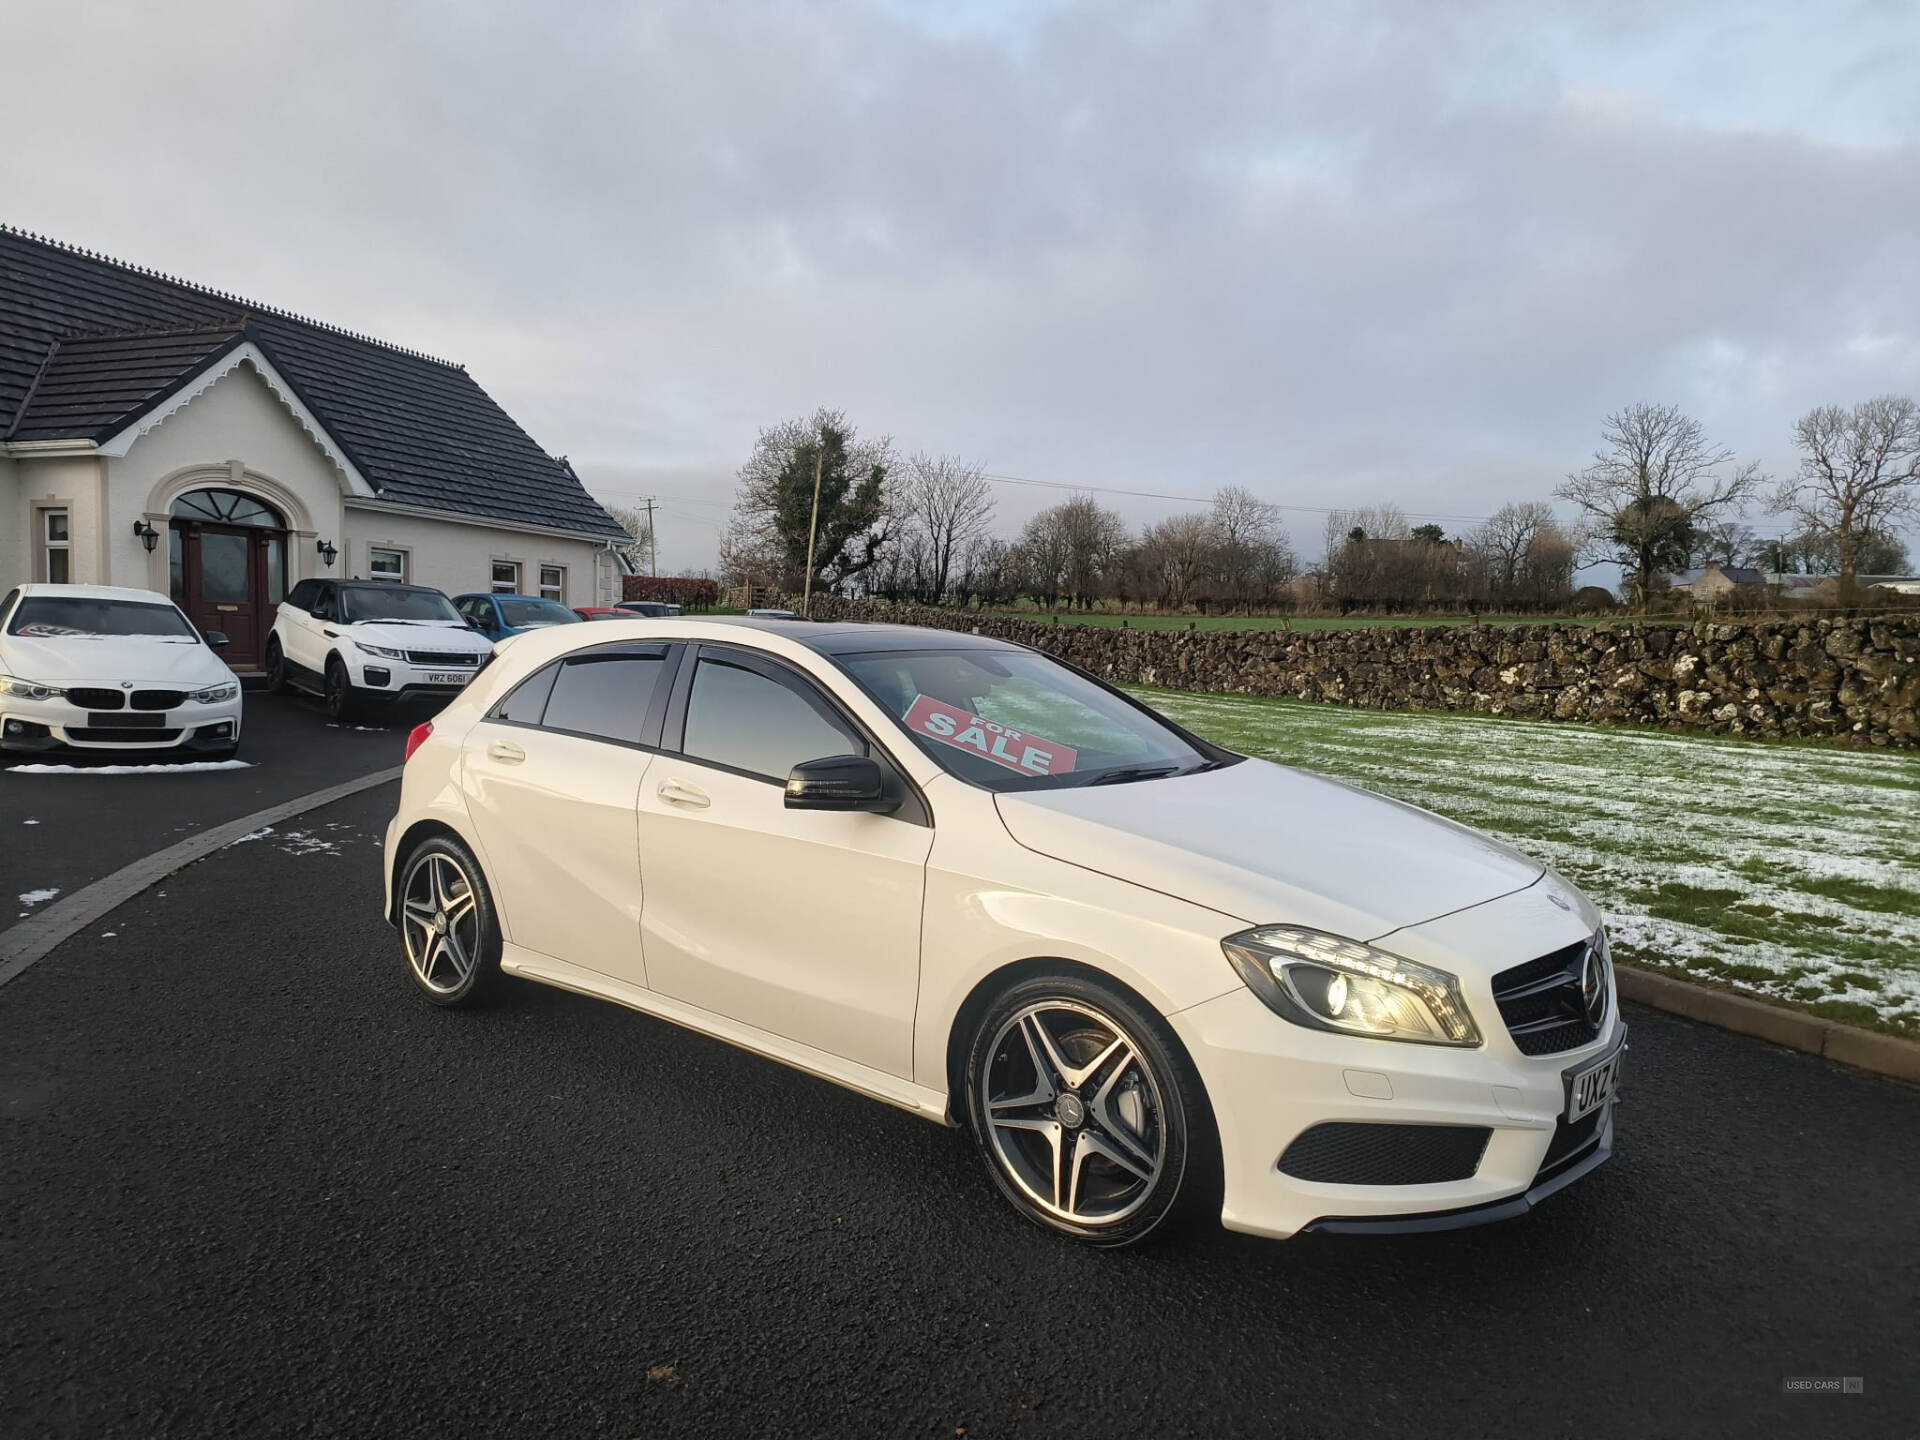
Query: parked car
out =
(958, 875)
(361, 642)
(601, 612)
(498, 616)
(103, 667)
(774, 614)
(658, 609)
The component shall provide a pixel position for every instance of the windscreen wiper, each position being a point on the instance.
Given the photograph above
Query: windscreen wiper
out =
(1133, 772)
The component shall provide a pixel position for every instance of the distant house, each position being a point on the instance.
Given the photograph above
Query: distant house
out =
(1817, 587)
(157, 434)
(1713, 582)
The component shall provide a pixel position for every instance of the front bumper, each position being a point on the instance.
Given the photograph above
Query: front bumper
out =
(1271, 1081)
(400, 681)
(41, 727)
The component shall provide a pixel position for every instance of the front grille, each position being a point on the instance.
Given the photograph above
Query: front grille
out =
(1343, 1153)
(158, 699)
(452, 659)
(1544, 1004)
(101, 735)
(89, 698)
(1570, 1142)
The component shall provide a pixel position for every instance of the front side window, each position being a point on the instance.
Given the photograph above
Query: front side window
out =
(553, 583)
(59, 552)
(506, 577)
(744, 720)
(387, 565)
(1016, 720)
(51, 617)
(519, 612)
(360, 603)
(605, 696)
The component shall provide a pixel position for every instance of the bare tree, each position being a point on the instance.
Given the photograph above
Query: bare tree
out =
(637, 549)
(947, 501)
(1252, 556)
(1176, 554)
(1504, 537)
(1654, 480)
(1859, 474)
(1728, 541)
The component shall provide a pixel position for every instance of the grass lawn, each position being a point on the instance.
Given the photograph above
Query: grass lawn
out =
(1791, 870)
(1262, 622)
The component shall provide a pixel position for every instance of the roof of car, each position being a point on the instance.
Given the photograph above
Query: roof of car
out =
(845, 638)
(96, 592)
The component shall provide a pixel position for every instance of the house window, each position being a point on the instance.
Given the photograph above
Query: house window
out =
(553, 583)
(387, 565)
(56, 563)
(506, 577)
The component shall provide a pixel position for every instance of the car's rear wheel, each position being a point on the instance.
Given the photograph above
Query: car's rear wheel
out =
(276, 667)
(340, 701)
(1085, 1109)
(447, 924)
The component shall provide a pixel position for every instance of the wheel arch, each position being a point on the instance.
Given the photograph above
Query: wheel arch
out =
(410, 840)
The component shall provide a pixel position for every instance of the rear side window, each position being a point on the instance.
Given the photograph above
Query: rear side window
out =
(744, 720)
(303, 593)
(529, 698)
(605, 696)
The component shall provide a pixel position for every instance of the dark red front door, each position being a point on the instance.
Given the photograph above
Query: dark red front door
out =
(229, 578)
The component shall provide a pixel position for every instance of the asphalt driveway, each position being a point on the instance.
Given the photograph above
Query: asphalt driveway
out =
(254, 1185)
(61, 831)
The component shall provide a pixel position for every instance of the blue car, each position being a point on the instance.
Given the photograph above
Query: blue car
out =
(498, 616)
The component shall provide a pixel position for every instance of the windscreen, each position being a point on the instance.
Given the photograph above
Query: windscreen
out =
(1015, 720)
(535, 612)
(359, 603)
(49, 617)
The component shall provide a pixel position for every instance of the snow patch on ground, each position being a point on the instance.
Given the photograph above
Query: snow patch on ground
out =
(185, 767)
(38, 897)
(260, 834)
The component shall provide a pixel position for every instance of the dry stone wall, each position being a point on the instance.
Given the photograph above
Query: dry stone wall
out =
(1851, 679)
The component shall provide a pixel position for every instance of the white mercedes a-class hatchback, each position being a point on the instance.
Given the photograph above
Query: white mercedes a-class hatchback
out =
(1151, 976)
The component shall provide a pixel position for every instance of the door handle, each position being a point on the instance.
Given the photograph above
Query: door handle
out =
(678, 792)
(505, 750)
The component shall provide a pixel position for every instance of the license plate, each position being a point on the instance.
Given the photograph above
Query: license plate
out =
(448, 677)
(121, 720)
(1590, 1088)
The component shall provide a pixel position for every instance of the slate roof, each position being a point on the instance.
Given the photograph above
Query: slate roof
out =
(88, 344)
(1738, 574)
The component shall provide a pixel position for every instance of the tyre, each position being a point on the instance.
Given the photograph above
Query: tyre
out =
(448, 931)
(276, 667)
(1089, 1115)
(339, 697)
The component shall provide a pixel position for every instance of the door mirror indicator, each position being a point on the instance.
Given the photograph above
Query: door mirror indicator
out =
(216, 639)
(840, 782)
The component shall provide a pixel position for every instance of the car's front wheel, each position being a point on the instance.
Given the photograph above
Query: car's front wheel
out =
(1088, 1113)
(447, 924)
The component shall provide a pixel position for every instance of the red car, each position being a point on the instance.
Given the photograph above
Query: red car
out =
(601, 612)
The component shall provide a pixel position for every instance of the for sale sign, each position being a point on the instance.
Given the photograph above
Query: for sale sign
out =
(962, 729)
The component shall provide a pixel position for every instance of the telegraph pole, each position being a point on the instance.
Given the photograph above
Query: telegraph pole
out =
(813, 525)
(653, 542)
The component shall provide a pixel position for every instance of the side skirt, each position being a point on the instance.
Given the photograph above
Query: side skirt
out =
(877, 1084)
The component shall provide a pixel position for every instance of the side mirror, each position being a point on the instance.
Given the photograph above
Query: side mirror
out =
(840, 782)
(475, 623)
(216, 639)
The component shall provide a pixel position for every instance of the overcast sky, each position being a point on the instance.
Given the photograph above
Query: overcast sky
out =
(1337, 253)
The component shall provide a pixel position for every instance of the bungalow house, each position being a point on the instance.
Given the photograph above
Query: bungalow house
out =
(1714, 583)
(158, 434)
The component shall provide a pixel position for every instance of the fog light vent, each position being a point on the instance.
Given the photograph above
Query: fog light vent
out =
(1342, 1153)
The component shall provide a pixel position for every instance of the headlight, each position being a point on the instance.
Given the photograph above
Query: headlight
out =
(1328, 983)
(29, 689)
(382, 651)
(214, 694)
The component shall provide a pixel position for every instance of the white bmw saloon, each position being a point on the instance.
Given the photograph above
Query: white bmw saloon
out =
(1151, 976)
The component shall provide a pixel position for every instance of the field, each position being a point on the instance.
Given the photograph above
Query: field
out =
(1789, 870)
(1263, 622)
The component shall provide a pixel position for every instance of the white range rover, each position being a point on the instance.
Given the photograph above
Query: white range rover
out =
(358, 641)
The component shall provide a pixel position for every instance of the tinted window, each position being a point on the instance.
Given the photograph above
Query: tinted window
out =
(516, 611)
(742, 719)
(529, 698)
(57, 617)
(392, 602)
(322, 607)
(302, 596)
(605, 696)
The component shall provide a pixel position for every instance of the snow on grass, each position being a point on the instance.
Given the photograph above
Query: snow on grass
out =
(182, 768)
(1790, 870)
(38, 897)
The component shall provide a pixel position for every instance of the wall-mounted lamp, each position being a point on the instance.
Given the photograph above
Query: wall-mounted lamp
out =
(146, 535)
(328, 554)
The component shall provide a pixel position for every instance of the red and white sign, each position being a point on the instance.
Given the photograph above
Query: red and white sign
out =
(962, 729)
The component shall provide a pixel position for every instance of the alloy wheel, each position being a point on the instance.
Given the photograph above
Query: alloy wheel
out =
(1075, 1116)
(440, 921)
